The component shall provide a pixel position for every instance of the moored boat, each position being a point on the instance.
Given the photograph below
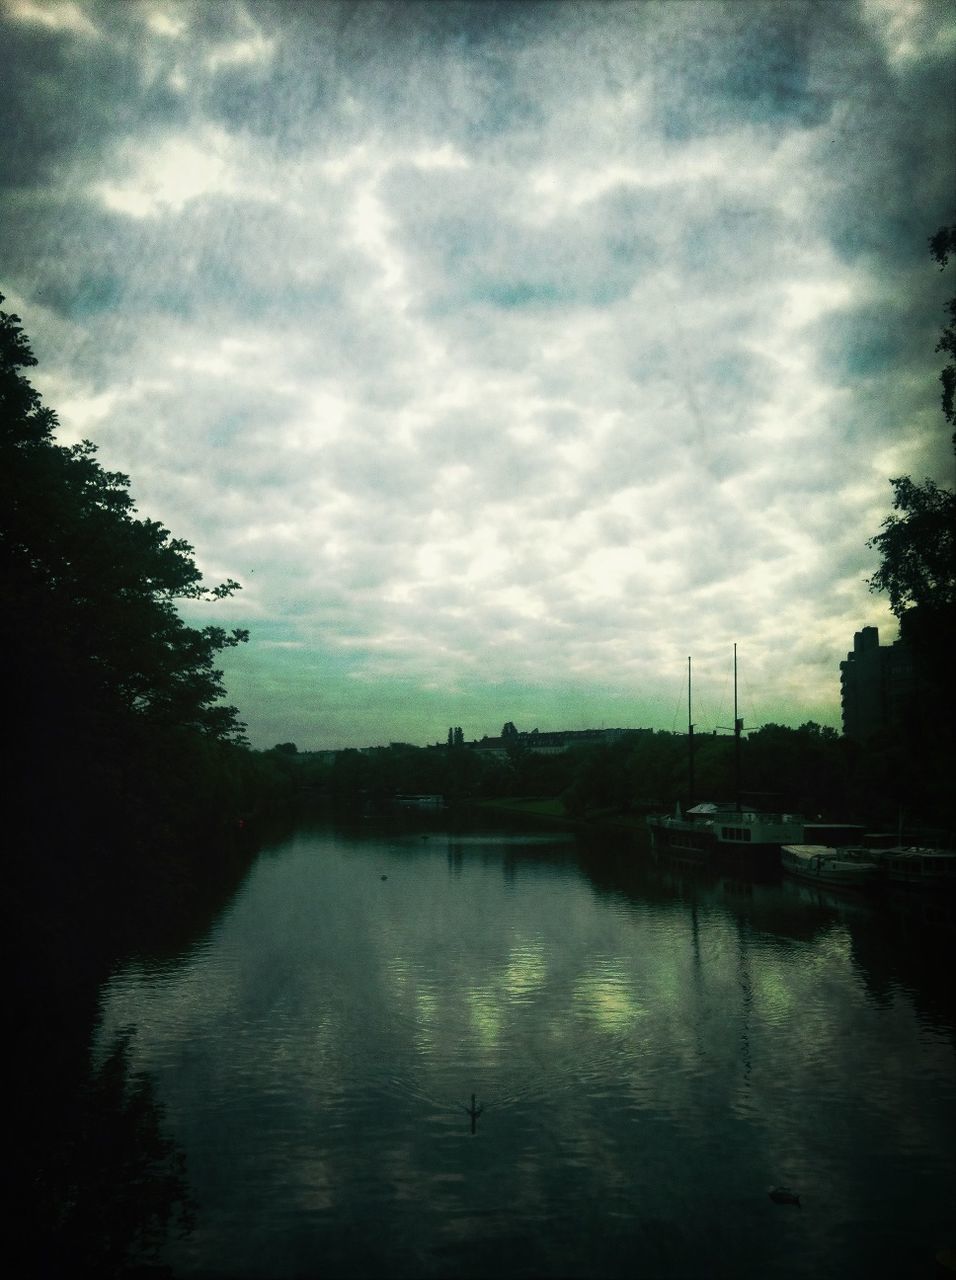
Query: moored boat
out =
(730, 833)
(914, 866)
(827, 866)
(709, 830)
(920, 868)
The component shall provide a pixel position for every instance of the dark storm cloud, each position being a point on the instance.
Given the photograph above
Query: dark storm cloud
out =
(721, 66)
(890, 147)
(68, 94)
(326, 54)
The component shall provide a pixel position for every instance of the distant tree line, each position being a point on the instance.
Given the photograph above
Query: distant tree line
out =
(810, 769)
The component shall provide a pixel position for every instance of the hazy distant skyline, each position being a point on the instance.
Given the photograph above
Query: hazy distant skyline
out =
(505, 353)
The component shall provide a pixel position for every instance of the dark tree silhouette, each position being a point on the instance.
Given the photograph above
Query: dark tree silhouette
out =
(942, 244)
(917, 571)
(116, 706)
(918, 546)
(89, 590)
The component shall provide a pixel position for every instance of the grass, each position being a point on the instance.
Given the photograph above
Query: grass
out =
(551, 809)
(529, 806)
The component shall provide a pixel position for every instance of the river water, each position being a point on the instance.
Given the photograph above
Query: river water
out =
(650, 1054)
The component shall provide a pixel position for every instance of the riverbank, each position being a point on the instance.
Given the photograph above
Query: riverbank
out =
(552, 812)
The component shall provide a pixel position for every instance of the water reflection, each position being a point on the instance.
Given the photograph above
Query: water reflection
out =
(115, 1189)
(652, 1051)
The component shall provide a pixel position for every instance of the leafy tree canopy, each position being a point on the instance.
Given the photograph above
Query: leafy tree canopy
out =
(918, 546)
(942, 244)
(89, 590)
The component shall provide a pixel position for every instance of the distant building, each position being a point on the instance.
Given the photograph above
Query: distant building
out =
(876, 685)
(549, 743)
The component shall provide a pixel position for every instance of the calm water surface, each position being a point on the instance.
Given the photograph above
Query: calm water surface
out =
(652, 1054)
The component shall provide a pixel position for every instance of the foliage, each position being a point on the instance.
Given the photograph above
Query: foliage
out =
(602, 778)
(89, 590)
(941, 245)
(124, 739)
(918, 548)
(917, 571)
(810, 770)
(804, 768)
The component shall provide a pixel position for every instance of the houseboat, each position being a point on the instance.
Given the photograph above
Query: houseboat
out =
(919, 868)
(913, 866)
(709, 831)
(827, 866)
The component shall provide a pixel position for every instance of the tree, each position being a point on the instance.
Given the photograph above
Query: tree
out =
(918, 573)
(89, 590)
(941, 245)
(918, 547)
(124, 739)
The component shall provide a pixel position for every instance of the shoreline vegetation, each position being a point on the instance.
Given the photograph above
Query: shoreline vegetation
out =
(883, 785)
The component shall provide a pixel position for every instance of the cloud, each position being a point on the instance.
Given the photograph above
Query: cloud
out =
(502, 352)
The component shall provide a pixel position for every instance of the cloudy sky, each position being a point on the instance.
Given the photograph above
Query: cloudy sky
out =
(507, 354)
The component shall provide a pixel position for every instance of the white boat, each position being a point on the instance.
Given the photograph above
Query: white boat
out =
(709, 829)
(827, 866)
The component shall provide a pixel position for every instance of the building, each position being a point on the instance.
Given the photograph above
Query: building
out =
(549, 743)
(876, 685)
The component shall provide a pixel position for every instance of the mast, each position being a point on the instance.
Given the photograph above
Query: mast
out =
(690, 743)
(738, 729)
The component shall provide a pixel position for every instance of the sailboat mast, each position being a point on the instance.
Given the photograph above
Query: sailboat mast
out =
(738, 729)
(690, 742)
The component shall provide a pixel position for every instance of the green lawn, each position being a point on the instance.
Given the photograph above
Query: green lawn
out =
(552, 810)
(548, 807)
